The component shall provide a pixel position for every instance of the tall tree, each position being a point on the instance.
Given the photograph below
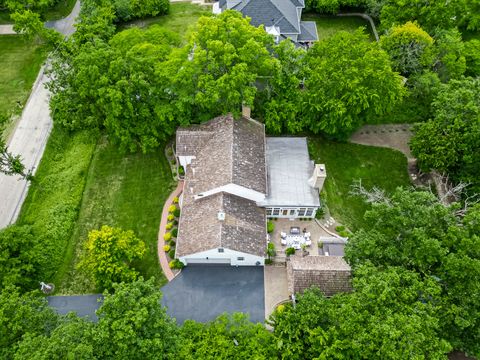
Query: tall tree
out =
(450, 141)
(220, 68)
(133, 325)
(348, 80)
(451, 62)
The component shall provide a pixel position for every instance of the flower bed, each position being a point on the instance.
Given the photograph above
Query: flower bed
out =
(170, 235)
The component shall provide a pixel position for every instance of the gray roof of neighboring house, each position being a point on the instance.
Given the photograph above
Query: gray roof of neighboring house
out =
(234, 152)
(288, 169)
(308, 31)
(282, 13)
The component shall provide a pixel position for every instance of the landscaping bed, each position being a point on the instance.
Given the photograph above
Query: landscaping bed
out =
(345, 163)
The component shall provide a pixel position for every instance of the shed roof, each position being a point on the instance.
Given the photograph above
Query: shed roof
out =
(288, 169)
(310, 263)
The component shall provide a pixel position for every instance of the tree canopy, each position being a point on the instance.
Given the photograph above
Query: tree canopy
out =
(450, 141)
(109, 254)
(348, 79)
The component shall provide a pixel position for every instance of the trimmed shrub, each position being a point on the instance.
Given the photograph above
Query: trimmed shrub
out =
(176, 264)
(340, 228)
(169, 151)
(167, 236)
(290, 251)
(171, 209)
(169, 226)
(320, 213)
(181, 171)
(172, 243)
(171, 254)
(166, 248)
(270, 227)
(175, 200)
(280, 308)
(171, 217)
(268, 261)
(175, 232)
(176, 212)
(175, 222)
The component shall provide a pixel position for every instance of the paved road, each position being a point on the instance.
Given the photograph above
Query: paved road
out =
(66, 25)
(30, 136)
(202, 292)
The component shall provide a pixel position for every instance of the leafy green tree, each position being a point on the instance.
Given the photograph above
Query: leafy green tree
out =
(349, 79)
(451, 63)
(11, 164)
(403, 231)
(133, 325)
(392, 314)
(22, 315)
(409, 47)
(472, 57)
(413, 230)
(29, 24)
(227, 337)
(281, 99)
(71, 339)
(131, 9)
(450, 141)
(109, 255)
(220, 67)
(18, 257)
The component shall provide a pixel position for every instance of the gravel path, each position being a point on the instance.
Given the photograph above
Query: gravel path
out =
(30, 136)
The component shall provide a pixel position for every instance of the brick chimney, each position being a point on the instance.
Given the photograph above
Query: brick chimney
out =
(318, 178)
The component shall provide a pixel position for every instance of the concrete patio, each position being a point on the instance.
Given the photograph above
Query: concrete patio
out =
(284, 225)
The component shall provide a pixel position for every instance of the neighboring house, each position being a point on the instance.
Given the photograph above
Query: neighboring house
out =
(234, 178)
(281, 18)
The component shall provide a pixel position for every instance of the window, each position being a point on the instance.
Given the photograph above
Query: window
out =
(220, 250)
(309, 212)
(269, 211)
(285, 212)
(276, 211)
(240, 258)
(301, 211)
(292, 212)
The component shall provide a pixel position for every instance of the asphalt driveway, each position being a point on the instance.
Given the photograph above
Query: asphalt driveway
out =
(202, 292)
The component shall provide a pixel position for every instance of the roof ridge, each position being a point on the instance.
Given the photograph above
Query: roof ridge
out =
(283, 16)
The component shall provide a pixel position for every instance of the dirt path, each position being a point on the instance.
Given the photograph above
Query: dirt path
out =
(391, 136)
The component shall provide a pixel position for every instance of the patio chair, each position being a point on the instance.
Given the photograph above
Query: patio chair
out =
(283, 241)
(283, 235)
(308, 242)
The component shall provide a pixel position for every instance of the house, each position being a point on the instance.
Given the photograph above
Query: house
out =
(234, 180)
(281, 18)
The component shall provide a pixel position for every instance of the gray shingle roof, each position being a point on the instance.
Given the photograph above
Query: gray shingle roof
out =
(229, 151)
(308, 31)
(285, 14)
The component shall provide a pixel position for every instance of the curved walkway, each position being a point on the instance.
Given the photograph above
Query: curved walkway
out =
(163, 223)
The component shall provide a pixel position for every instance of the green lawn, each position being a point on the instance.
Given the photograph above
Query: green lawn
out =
(20, 62)
(182, 15)
(61, 9)
(126, 191)
(54, 197)
(328, 26)
(346, 162)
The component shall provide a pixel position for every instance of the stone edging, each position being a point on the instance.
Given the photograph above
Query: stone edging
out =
(162, 257)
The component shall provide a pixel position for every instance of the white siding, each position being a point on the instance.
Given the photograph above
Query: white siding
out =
(213, 256)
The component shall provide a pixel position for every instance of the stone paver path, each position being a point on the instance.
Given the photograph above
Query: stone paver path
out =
(163, 223)
(276, 287)
(393, 136)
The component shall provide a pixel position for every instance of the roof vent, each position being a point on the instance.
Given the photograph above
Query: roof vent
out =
(221, 215)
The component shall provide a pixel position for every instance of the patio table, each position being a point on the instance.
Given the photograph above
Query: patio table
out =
(295, 241)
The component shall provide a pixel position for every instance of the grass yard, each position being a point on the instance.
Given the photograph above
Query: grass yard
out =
(346, 162)
(328, 26)
(20, 61)
(53, 200)
(126, 191)
(182, 15)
